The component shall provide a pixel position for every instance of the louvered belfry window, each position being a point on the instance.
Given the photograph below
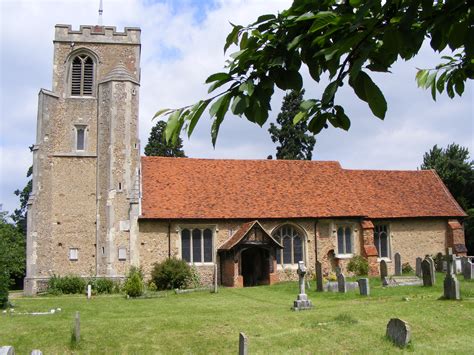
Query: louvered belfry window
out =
(82, 75)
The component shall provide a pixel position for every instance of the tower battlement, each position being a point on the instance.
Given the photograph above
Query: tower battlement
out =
(97, 34)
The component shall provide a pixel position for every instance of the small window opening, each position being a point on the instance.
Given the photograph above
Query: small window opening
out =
(120, 186)
(122, 254)
(80, 138)
(103, 251)
(82, 76)
(73, 254)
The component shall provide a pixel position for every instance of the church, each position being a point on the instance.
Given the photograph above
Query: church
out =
(97, 207)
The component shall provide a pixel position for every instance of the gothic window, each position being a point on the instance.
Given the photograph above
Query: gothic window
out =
(80, 137)
(344, 240)
(381, 240)
(82, 75)
(197, 245)
(292, 242)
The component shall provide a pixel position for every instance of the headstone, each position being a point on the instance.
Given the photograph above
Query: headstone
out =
(333, 286)
(433, 267)
(7, 350)
(399, 332)
(428, 273)
(364, 288)
(89, 292)
(243, 344)
(302, 302)
(398, 264)
(36, 352)
(450, 262)
(418, 267)
(383, 269)
(403, 281)
(77, 327)
(215, 278)
(319, 276)
(341, 283)
(468, 269)
(451, 287)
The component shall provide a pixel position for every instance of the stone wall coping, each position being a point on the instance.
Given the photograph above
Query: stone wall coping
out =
(97, 34)
(74, 155)
(48, 92)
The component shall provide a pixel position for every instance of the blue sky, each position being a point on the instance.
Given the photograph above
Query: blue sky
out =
(182, 44)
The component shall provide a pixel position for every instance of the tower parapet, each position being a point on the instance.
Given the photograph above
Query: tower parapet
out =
(97, 34)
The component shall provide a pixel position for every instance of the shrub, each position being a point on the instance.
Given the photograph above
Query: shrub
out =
(104, 285)
(68, 284)
(406, 268)
(438, 260)
(358, 265)
(134, 286)
(152, 286)
(4, 285)
(171, 273)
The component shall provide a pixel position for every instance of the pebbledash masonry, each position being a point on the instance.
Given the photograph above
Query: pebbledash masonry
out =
(98, 208)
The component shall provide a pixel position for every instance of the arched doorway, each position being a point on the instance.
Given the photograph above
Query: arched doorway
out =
(255, 264)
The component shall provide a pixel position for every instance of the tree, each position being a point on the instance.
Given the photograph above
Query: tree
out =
(19, 215)
(294, 142)
(157, 145)
(342, 39)
(455, 168)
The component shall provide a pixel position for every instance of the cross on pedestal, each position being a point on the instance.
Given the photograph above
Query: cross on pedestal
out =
(302, 302)
(450, 262)
(301, 272)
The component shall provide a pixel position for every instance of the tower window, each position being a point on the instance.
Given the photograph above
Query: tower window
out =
(80, 138)
(82, 75)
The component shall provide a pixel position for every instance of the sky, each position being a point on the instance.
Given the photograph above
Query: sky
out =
(182, 43)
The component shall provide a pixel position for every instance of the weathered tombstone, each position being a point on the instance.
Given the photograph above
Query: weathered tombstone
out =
(433, 267)
(364, 288)
(215, 278)
(7, 350)
(451, 287)
(398, 264)
(319, 276)
(89, 292)
(450, 262)
(36, 352)
(428, 272)
(399, 332)
(383, 269)
(341, 283)
(418, 267)
(302, 302)
(468, 269)
(243, 344)
(77, 328)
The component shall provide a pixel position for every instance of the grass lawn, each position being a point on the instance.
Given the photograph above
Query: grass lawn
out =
(205, 323)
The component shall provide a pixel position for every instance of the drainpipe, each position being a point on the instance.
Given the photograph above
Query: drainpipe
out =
(315, 242)
(169, 239)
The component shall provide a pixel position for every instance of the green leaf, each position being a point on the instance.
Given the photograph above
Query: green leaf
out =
(421, 77)
(195, 114)
(318, 122)
(321, 20)
(367, 91)
(172, 125)
(220, 107)
(430, 79)
(287, 79)
(239, 104)
(218, 84)
(459, 86)
(217, 77)
(341, 118)
(329, 92)
(244, 40)
(294, 43)
(299, 116)
(232, 37)
(247, 87)
(162, 112)
(306, 16)
(264, 18)
(433, 86)
(307, 104)
(441, 81)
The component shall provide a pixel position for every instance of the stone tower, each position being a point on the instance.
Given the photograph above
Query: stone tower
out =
(83, 209)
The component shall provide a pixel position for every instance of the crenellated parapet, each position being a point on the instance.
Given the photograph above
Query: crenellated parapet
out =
(97, 34)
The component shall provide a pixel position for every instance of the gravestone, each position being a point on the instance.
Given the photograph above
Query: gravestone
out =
(302, 302)
(451, 283)
(7, 350)
(428, 273)
(418, 267)
(243, 344)
(333, 286)
(383, 269)
(433, 267)
(468, 269)
(215, 278)
(36, 352)
(77, 327)
(89, 292)
(398, 264)
(341, 283)
(319, 276)
(364, 287)
(402, 281)
(399, 332)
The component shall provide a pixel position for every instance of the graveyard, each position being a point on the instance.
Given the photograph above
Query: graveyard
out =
(204, 322)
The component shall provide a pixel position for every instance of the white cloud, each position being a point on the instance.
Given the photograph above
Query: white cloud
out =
(181, 45)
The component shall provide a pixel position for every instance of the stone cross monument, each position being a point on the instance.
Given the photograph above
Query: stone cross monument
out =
(302, 302)
(451, 283)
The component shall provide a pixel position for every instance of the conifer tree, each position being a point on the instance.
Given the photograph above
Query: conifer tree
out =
(157, 145)
(294, 142)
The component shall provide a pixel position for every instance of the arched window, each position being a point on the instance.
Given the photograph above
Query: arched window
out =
(292, 242)
(197, 245)
(82, 75)
(344, 240)
(381, 240)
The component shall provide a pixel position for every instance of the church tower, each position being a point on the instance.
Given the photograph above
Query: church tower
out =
(83, 209)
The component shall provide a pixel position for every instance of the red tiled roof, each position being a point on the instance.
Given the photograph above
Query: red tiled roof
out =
(184, 188)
